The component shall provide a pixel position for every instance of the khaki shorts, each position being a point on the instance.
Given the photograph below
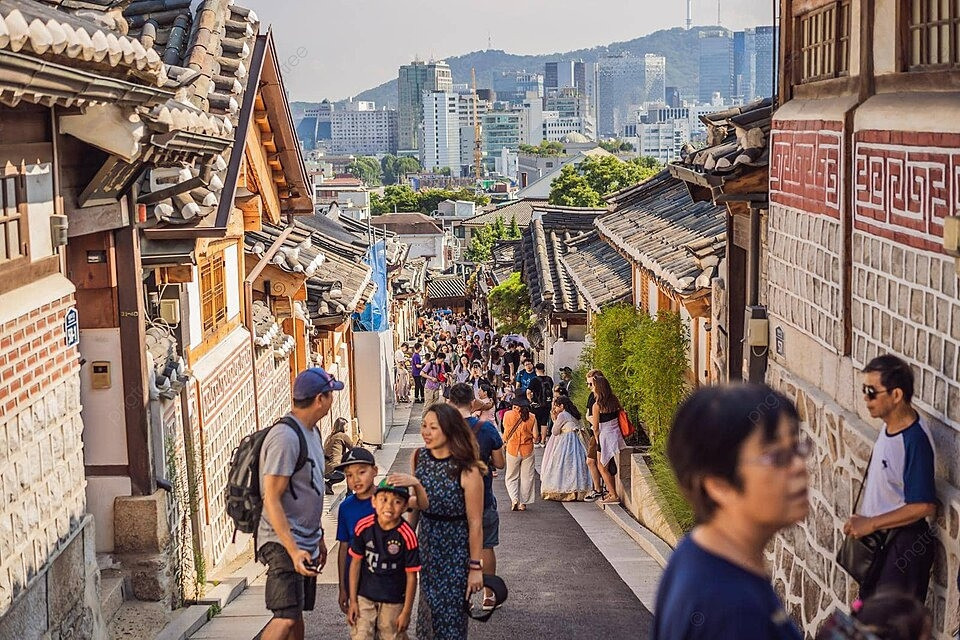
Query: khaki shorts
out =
(377, 617)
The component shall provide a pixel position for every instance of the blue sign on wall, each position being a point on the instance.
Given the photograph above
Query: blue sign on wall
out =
(71, 327)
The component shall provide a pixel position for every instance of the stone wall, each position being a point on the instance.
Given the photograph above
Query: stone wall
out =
(44, 583)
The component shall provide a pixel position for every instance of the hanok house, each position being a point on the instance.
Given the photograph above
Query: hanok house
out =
(309, 278)
(561, 311)
(675, 247)
(859, 261)
(515, 210)
(602, 276)
(81, 103)
(447, 292)
(223, 158)
(732, 170)
(421, 234)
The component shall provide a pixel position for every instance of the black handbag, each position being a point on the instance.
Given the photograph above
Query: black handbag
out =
(859, 556)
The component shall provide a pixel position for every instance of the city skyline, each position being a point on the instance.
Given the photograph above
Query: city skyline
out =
(343, 49)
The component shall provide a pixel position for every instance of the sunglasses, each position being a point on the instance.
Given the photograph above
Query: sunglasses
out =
(783, 456)
(871, 393)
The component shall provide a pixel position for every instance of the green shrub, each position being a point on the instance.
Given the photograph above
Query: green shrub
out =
(645, 361)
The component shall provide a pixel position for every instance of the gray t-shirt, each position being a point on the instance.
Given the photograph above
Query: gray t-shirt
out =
(278, 457)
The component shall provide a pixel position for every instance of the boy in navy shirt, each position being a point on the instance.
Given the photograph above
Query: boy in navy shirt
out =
(361, 470)
(383, 574)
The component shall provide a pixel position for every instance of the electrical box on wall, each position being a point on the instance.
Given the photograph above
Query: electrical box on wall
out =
(170, 311)
(758, 332)
(100, 375)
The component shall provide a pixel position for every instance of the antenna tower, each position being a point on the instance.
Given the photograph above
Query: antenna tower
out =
(477, 144)
(718, 13)
(689, 14)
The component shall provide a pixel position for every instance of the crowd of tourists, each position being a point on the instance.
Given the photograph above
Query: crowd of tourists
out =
(736, 450)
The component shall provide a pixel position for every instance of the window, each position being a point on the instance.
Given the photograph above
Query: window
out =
(933, 31)
(825, 42)
(213, 296)
(13, 239)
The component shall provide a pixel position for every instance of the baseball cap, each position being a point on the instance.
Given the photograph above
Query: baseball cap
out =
(357, 455)
(403, 492)
(473, 606)
(314, 381)
(566, 370)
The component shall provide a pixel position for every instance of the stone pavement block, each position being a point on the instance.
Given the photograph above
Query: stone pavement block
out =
(230, 627)
(185, 623)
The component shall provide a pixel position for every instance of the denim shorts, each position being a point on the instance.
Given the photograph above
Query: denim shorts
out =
(491, 527)
(287, 594)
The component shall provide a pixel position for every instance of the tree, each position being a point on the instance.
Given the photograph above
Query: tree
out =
(367, 169)
(483, 239)
(402, 198)
(509, 304)
(543, 150)
(589, 181)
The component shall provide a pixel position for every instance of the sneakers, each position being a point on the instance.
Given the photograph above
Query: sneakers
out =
(593, 495)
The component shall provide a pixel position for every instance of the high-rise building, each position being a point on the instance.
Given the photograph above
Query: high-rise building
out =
(465, 112)
(415, 80)
(673, 98)
(716, 64)
(440, 146)
(314, 128)
(557, 75)
(361, 129)
(768, 39)
(661, 131)
(514, 86)
(744, 65)
(626, 83)
(573, 112)
(501, 129)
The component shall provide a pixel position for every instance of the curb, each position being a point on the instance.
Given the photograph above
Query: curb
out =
(225, 592)
(185, 623)
(648, 541)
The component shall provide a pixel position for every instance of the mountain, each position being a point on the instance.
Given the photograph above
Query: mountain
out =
(679, 46)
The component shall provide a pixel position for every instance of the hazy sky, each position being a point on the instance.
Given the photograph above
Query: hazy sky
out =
(336, 48)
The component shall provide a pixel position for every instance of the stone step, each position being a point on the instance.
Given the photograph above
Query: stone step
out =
(111, 596)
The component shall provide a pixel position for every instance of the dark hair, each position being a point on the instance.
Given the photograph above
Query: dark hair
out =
(463, 446)
(488, 389)
(893, 615)
(894, 374)
(568, 406)
(607, 400)
(306, 403)
(461, 394)
(524, 409)
(540, 367)
(417, 346)
(709, 430)
(439, 354)
(560, 391)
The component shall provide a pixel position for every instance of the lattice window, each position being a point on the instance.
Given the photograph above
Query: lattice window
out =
(13, 237)
(933, 32)
(213, 294)
(824, 42)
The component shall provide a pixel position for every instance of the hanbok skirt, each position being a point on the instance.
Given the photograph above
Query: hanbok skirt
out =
(564, 475)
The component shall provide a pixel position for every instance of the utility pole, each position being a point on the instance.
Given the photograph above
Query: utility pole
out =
(477, 145)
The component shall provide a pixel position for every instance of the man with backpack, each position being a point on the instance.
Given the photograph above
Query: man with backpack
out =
(541, 387)
(289, 537)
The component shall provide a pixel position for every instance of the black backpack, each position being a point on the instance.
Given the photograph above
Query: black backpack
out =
(244, 502)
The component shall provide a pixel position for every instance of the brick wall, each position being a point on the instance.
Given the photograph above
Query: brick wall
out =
(41, 452)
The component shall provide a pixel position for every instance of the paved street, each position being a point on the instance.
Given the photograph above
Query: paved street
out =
(560, 585)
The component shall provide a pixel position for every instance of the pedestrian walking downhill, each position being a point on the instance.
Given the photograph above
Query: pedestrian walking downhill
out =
(606, 430)
(519, 429)
(360, 470)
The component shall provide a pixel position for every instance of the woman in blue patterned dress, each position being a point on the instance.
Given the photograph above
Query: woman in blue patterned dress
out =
(450, 473)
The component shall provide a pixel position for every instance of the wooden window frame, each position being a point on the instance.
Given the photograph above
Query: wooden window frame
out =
(907, 27)
(14, 213)
(832, 52)
(213, 294)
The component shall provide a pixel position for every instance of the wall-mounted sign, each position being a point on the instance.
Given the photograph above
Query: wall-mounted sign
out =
(778, 334)
(71, 327)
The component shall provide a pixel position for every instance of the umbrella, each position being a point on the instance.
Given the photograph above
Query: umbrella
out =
(514, 338)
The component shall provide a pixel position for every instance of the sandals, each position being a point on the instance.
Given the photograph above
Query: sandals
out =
(513, 507)
(522, 507)
(610, 500)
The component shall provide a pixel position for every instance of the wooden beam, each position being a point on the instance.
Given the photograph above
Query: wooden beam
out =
(280, 178)
(132, 338)
(262, 174)
(179, 274)
(252, 208)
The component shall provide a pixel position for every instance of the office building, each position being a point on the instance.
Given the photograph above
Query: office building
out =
(415, 80)
(767, 50)
(501, 129)
(314, 128)
(514, 86)
(440, 146)
(716, 64)
(361, 129)
(661, 131)
(626, 83)
(672, 97)
(465, 110)
(744, 65)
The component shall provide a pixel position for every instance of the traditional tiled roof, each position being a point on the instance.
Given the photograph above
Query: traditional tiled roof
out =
(544, 241)
(737, 139)
(503, 259)
(411, 279)
(447, 287)
(658, 225)
(601, 275)
(407, 223)
(98, 44)
(303, 252)
(519, 210)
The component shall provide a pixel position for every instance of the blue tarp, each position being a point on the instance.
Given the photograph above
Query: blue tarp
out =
(374, 316)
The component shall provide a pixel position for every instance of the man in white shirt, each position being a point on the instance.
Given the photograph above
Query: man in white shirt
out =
(900, 492)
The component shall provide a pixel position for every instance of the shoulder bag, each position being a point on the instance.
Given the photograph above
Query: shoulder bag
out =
(859, 556)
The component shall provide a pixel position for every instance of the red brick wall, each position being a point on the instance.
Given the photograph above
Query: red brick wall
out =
(805, 160)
